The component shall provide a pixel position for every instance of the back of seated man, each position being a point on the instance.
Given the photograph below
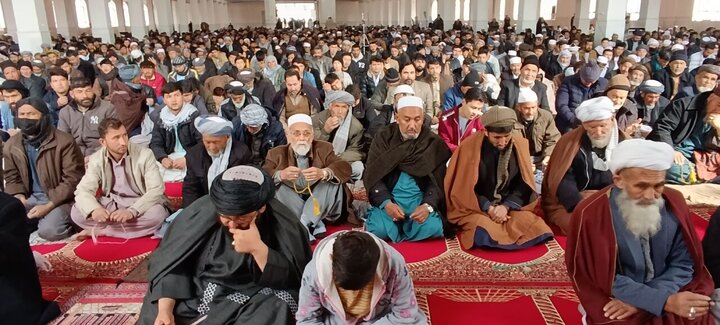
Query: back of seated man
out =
(133, 194)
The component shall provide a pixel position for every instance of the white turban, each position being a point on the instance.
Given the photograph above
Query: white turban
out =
(602, 60)
(641, 153)
(213, 125)
(515, 60)
(299, 118)
(410, 101)
(595, 109)
(527, 95)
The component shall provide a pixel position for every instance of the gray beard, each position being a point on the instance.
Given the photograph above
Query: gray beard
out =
(601, 143)
(640, 220)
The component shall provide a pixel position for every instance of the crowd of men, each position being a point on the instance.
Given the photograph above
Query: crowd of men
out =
(262, 135)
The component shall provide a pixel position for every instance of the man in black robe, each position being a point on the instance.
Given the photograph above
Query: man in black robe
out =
(19, 283)
(235, 256)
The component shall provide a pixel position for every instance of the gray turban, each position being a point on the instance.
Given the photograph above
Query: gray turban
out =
(213, 125)
(254, 115)
(339, 96)
(651, 86)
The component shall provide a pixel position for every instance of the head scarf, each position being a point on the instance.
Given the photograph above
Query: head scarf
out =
(34, 131)
(339, 96)
(241, 190)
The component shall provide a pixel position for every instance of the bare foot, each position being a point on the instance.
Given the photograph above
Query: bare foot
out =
(85, 234)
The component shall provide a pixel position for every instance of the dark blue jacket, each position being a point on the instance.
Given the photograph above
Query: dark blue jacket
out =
(664, 77)
(571, 93)
(273, 135)
(50, 99)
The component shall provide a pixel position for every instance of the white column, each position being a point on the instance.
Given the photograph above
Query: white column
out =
(610, 19)
(213, 21)
(479, 14)
(226, 13)
(270, 13)
(138, 27)
(406, 9)
(649, 15)
(582, 15)
(63, 27)
(219, 17)
(50, 17)
(32, 27)
(181, 13)
(121, 16)
(9, 16)
(99, 20)
(326, 9)
(151, 15)
(375, 15)
(446, 9)
(528, 14)
(164, 15)
(390, 14)
(195, 13)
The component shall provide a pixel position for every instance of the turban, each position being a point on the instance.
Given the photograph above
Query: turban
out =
(409, 101)
(651, 86)
(213, 125)
(499, 116)
(595, 109)
(527, 95)
(299, 118)
(641, 153)
(254, 115)
(339, 96)
(241, 190)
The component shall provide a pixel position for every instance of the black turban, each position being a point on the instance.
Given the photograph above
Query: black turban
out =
(241, 190)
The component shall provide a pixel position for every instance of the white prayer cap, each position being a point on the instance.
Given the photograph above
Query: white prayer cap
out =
(564, 47)
(685, 42)
(564, 52)
(595, 109)
(299, 118)
(677, 47)
(213, 125)
(518, 43)
(410, 101)
(539, 36)
(602, 60)
(653, 43)
(574, 49)
(512, 53)
(526, 95)
(552, 42)
(666, 43)
(306, 44)
(404, 89)
(706, 39)
(634, 58)
(515, 60)
(641, 153)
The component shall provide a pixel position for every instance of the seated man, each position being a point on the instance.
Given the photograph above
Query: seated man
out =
(633, 254)
(706, 79)
(348, 269)
(336, 125)
(132, 201)
(20, 282)
(235, 256)
(83, 116)
(490, 187)
(510, 89)
(43, 166)
(404, 177)
(462, 121)
(537, 126)
(310, 177)
(238, 98)
(174, 133)
(689, 125)
(259, 131)
(209, 158)
(650, 102)
(578, 166)
(297, 97)
(711, 251)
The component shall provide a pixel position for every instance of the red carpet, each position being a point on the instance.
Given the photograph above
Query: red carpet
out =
(453, 286)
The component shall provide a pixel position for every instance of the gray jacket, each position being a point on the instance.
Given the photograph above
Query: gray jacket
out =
(84, 126)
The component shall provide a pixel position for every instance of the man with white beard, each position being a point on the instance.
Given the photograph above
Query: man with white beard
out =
(568, 181)
(705, 80)
(310, 178)
(633, 254)
(650, 102)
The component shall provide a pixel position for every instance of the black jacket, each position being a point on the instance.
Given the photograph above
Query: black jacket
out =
(163, 140)
(273, 135)
(264, 90)
(195, 184)
(35, 85)
(664, 77)
(581, 176)
(88, 70)
(711, 247)
(651, 116)
(510, 89)
(679, 119)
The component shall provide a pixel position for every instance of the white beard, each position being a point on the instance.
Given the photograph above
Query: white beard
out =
(301, 148)
(704, 89)
(635, 83)
(640, 220)
(600, 143)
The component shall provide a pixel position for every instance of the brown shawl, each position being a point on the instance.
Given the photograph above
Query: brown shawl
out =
(463, 207)
(561, 159)
(591, 257)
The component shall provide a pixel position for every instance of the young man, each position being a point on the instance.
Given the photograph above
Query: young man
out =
(463, 121)
(83, 115)
(490, 187)
(348, 269)
(132, 201)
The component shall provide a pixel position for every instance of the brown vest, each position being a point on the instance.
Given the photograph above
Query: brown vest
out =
(302, 106)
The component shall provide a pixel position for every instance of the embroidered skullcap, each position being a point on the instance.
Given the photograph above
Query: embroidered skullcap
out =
(241, 190)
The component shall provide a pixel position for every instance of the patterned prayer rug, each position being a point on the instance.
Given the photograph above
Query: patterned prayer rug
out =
(105, 304)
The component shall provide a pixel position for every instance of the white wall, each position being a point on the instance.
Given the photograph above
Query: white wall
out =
(246, 13)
